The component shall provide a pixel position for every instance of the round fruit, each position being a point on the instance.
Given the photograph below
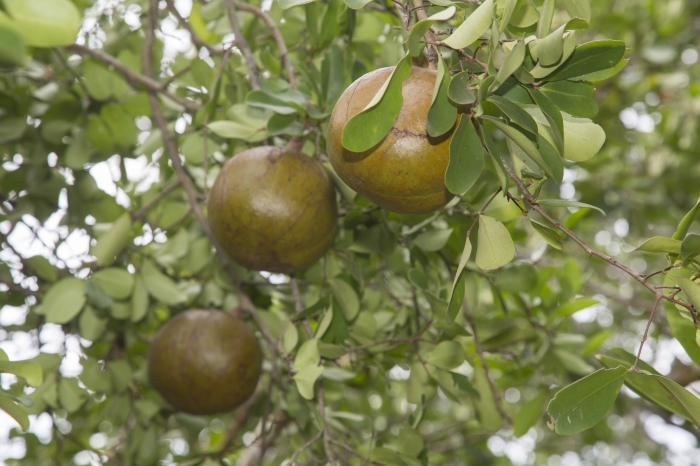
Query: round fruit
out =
(273, 209)
(405, 172)
(204, 362)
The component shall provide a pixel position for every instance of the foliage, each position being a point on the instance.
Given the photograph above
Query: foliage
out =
(416, 339)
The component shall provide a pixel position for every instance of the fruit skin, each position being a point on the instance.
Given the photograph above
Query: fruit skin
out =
(204, 362)
(273, 209)
(405, 172)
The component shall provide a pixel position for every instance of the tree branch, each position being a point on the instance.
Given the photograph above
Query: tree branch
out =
(284, 53)
(196, 40)
(135, 79)
(243, 44)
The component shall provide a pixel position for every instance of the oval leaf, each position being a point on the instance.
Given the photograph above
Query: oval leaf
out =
(472, 28)
(495, 247)
(466, 158)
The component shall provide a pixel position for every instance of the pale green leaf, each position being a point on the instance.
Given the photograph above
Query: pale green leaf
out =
(160, 286)
(686, 400)
(494, 245)
(565, 203)
(528, 415)
(117, 283)
(578, 8)
(512, 62)
(64, 300)
(346, 297)
(139, 299)
(690, 246)
(15, 411)
(433, 240)
(43, 23)
(551, 236)
(583, 139)
(575, 98)
(459, 91)
(661, 244)
(110, 244)
(589, 57)
(28, 370)
(472, 28)
(447, 355)
(422, 26)
(572, 307)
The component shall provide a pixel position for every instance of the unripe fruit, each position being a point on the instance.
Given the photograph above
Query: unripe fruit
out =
(273, 209)
(405, 172)
(204, 362)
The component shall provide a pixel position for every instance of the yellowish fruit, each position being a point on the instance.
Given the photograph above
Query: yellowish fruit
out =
(405, 172)
(273, 209)
(204, 362)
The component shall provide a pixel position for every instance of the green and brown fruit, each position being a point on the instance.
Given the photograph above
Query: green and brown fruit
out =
(405, 172)
(205, 362)
(273, 209)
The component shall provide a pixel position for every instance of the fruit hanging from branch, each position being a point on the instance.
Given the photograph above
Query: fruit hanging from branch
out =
(273, 209)
(405, 171)
(205, 362)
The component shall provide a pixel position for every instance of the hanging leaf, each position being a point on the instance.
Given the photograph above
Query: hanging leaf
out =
(589, 57)
(544, 24)
(686, 400)
(661, 244)
(421, 27)
(585, 403)
(15, 411)
(528, 415)
(111, 243)
(433, 240)
(366, 129)
(583, 139)
(514, 113)
(28, 370)
(442, 114)
(495, 247)
(549, 235)
(565, 203)
(346, 297)
(553, 116)
(160, 286)
(512, 62)
(508, 10)
(466, 158)
(117, 283)
(472, 28)
(459, 90)
(457, 295)
(575, 98)
(578, 8)
(447, 355)
(64, 300)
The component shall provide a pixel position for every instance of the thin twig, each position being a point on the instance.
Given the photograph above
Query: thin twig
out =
(134, 78)
(284, 53)
(480, 352)
(143, 210)
(646, 334)
(305, 447)
(243, 44)
(198, 41)
(326, 430)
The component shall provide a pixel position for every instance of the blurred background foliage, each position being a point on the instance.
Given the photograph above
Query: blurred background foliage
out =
(63, 189)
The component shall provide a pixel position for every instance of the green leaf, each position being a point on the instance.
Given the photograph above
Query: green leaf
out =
(43, 268)
(306, 364)
(466, 158)
(139, 299)
(517, 279)
(512, 62)
(572, 362)
(262, 99)
(582, 138)
(459, 90)
(324, 323)
(565, 203)
(572, 307)
(28, 370)
(686, 400)
(602, 75)
(13, 50)
(578, 9)
(528, 415)
(117, 283)
(690, 246)
(689, 287)
(442, 114)
(356, 4)
(161, 287)
(64, 300)
(232, 130)
(642, 384)
(523, 142)
(552, 115)
(418, 278)
(447, 355)
(43, 23)
(70, 395)
(285, 4)
(472, 28)
(575, 98)
(594, 342)
(91, 325)
(661, 244)
(111, 243)
(514, 113)
(525, 16)
(15, 411)
(548, 234)
(290, 338)
(346, 297)
(544, 25)
(433, 240)
(508, 10)
(421, 27)
(494, 245)
(366, 129)
(686, 221)
(589, 57)
(307, 355)
(457, 296)
(584, 403)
